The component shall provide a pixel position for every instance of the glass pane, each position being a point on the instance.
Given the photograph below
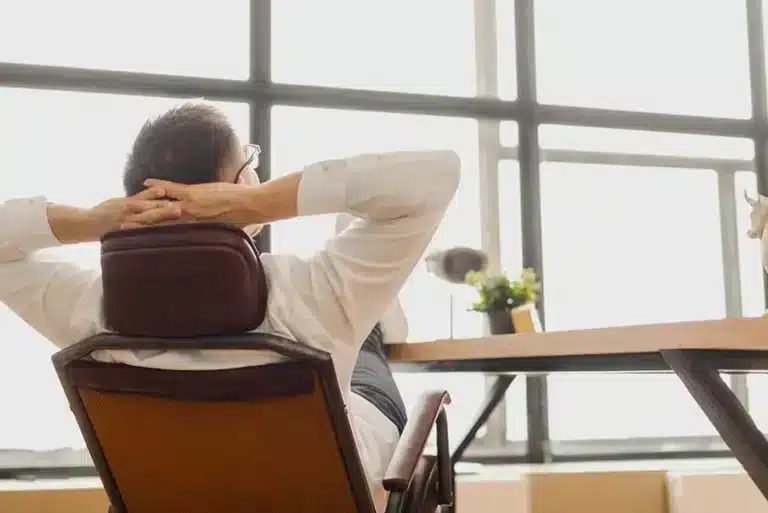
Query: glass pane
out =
(506, 54)
(629, 261)
(510, 218)
(70, 147)
(757, 385)
(638, 142)
(623, 406)
(517, 411)
(172, 37)
(508, 134)
(670, 56)
(419, 47)
(301, 136)
(750, 263)
(619, 249)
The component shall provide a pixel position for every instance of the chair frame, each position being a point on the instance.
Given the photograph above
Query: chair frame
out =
(319, 361)
(414, 481)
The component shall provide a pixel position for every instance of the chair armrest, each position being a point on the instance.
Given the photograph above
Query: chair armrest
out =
(428, 412)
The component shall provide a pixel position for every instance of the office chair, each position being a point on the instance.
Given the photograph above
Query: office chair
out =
(268, 438)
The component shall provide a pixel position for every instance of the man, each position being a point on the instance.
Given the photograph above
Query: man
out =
(183, 146)
(331, 300)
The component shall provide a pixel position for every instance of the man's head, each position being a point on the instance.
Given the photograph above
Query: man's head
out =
(190, 144)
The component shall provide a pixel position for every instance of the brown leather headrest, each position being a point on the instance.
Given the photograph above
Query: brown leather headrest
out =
(182, 280)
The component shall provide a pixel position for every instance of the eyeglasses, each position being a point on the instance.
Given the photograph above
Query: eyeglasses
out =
(252, 151)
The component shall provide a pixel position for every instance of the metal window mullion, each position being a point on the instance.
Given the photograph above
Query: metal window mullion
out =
(645, 160)
(723, 165)
(642, 121)
(150, 84)
(530, 202)
(486, 42)
(508, 153)
(729, 242)
(259, 108)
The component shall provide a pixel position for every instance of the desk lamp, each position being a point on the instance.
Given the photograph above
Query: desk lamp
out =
(452, 265)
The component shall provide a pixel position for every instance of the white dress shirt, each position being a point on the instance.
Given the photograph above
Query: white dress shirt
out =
(330, 300)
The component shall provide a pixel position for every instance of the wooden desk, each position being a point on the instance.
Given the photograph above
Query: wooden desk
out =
(695, 351)
(629, 348)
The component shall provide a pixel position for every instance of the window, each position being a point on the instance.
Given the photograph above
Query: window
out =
(418, 47)
(629, 245)
(757, 384)
(631, 219)
(170, 37)
(70, 147)
(508, 134)
(668, 56)
(301, 136)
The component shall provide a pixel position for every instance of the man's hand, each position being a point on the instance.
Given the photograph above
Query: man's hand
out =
(73, 225)
(114, 213)
(217, 201)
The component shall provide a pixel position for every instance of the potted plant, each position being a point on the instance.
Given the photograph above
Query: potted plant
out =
(500, 298)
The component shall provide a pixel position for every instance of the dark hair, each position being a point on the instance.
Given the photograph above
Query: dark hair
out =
(187, 144)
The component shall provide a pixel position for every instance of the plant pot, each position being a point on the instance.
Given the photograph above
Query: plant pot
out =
(523, 319)
(500, 322)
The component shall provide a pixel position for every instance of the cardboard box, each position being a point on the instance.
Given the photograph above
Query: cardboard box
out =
(490, 496)
(474, 496)
(54, 501)
(596, 492)
(715, 492)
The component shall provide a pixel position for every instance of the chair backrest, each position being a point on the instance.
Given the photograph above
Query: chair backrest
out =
(269, 438)
(182, 280)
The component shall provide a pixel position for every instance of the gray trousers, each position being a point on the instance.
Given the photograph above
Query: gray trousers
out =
(372, 379)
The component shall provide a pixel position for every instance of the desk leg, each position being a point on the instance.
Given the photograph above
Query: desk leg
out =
(492, 400)
(724, 410)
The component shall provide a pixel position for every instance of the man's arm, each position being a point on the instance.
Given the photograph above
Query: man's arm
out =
(71, 225)
(399, 200)
(59, 299)
(394, 324)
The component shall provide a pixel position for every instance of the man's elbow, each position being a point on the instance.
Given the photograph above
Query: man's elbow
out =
(419, 181)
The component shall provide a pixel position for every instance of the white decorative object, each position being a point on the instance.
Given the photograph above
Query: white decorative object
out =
(758, 218)
(758, 221)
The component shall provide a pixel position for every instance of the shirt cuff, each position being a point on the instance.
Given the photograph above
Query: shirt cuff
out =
(24, 225)
(323, 189)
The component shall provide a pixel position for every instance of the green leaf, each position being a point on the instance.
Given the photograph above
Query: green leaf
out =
(497, 292)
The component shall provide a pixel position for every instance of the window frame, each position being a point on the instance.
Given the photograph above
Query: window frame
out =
(261, 93)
